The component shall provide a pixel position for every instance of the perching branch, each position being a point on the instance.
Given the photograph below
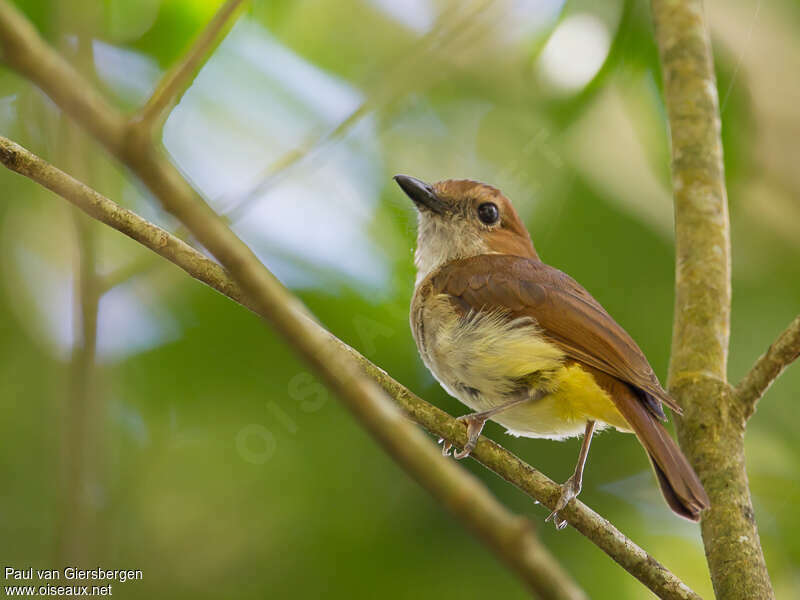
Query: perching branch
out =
(631, 557)
(174, 84)
(711, 431)
(768, 367)
(18, 159)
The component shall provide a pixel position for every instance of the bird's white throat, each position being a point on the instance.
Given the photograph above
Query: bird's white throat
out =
(440, 241)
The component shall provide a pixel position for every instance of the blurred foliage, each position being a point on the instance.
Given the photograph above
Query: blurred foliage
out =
(219, 468)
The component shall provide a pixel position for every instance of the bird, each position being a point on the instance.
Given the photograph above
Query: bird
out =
(525, 345)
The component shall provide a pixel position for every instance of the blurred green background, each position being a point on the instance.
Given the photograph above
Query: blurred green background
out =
(195, 447)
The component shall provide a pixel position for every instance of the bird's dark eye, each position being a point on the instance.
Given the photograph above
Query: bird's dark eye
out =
(488, 213)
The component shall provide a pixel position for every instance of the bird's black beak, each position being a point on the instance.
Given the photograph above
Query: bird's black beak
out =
(421, 193)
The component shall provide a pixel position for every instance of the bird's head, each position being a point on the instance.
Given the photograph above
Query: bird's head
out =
(461, 218)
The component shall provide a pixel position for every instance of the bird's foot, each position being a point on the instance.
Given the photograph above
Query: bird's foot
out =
(569, 490)
(475, 424)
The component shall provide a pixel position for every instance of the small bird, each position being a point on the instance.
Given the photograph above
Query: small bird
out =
(525, 345)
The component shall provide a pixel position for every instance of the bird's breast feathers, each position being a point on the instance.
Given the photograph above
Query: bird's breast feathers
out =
(487, 358)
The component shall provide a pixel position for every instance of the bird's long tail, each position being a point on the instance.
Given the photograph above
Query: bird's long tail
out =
(678, 482)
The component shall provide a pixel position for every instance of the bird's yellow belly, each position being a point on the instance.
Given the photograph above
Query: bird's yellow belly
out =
(488, 360)
(573, 398)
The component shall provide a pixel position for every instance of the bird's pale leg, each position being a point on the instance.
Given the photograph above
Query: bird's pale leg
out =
(572, 486)
(475, 423)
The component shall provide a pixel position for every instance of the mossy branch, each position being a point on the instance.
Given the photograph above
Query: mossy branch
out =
(712, 430)
(768, 368)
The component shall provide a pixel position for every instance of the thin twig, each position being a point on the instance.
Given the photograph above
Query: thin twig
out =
(710, 432)
(124, 273)
(173, 85)
(768, 367)
(454, 25)
(624, 551)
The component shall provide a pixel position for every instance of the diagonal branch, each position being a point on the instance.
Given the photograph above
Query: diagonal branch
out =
(711, 432)
(169, 90)
(25, 51)
(631, 557)
(768, 367)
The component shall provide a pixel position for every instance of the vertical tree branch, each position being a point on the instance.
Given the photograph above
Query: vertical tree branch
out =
(80, 533)
(77, 522)
(77, 533)
(711, 431)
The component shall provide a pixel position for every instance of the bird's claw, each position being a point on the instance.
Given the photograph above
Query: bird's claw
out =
(446, 446)
(474, 428)
(569, 490)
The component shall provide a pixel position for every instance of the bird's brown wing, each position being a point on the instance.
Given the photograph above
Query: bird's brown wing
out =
(567, 314)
